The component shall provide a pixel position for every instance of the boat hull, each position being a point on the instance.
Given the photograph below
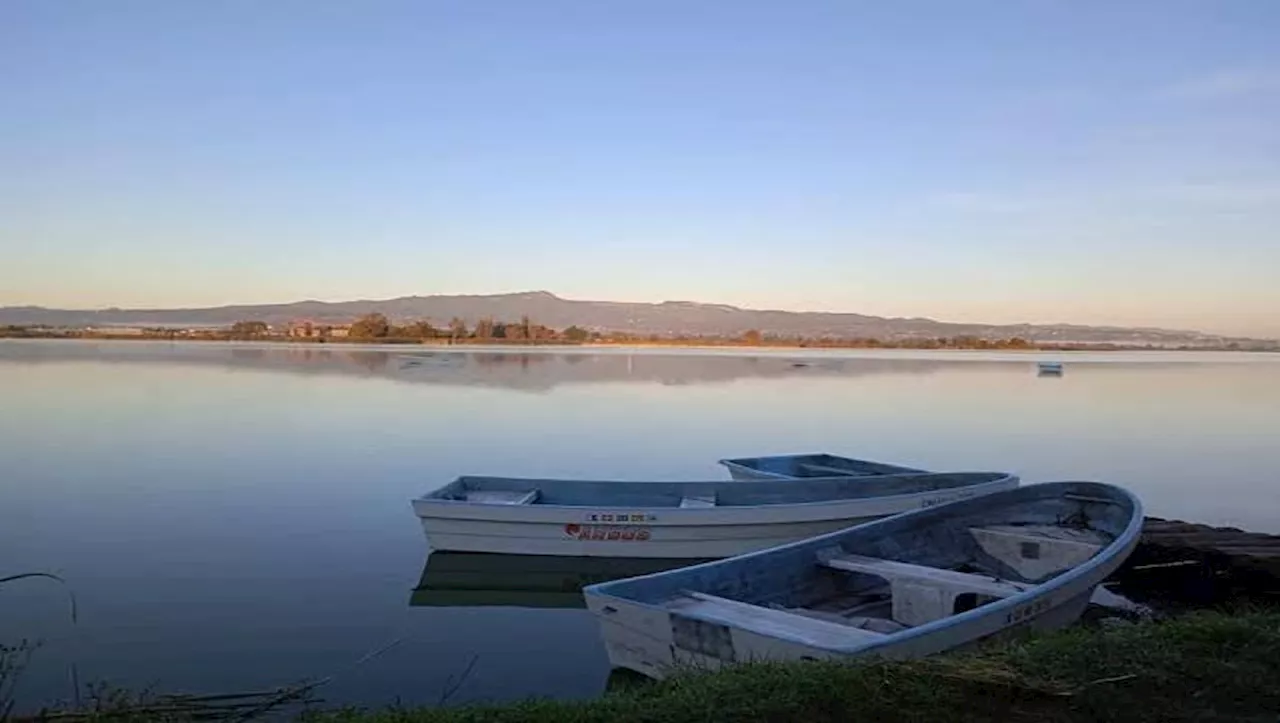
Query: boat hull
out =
(638, 640)
(659, 541)
(713, 532)
(642, 635)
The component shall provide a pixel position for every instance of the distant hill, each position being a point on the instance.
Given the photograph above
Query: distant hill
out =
(666, 318)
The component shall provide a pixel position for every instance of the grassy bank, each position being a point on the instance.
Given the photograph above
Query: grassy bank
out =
(1199, 667)
(1205, 666)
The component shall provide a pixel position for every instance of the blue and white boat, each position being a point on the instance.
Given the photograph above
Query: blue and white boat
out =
(814, 464)
(903, 587)
(713, 519)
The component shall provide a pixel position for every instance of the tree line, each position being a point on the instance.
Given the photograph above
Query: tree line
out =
(378, 328)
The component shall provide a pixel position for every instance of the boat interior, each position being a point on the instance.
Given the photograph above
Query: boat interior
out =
(614, 493)
(818, 465)
(861, 587)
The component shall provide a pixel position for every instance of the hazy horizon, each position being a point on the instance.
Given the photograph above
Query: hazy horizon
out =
(1049, 322)
(993, 162)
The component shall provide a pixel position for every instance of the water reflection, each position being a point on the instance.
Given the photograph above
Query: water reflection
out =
(537, 370)
(235, 516)
(481, 579)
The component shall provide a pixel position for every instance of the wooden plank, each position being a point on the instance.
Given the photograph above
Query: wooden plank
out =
(1035, 552)
(767, 621)
(1042, 533)
(893, 570)
(1229, 551)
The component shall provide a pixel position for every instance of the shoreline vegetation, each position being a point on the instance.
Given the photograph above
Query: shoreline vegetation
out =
(377, 329)
(1206, 665)
(1202, 666)
(1174, 658)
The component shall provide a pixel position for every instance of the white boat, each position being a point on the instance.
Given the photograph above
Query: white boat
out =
(713, 519)
(814, 464)
(903, 587)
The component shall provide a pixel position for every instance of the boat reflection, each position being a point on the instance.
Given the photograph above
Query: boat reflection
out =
(482, 579)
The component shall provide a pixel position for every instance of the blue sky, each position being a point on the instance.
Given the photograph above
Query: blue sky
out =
(1012, 160)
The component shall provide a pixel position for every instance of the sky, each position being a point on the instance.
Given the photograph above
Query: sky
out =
(1086, 161)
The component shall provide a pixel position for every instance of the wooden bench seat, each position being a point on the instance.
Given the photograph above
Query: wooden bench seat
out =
(892, 570)
(922, 594)
(767, 621)
(1038, 551)
(860, 622)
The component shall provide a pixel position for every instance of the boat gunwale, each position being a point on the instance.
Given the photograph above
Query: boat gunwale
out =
(1128, 537)
(1003, 480)
(739, 463)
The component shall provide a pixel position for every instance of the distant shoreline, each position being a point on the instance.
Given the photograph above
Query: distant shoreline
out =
(858, 345)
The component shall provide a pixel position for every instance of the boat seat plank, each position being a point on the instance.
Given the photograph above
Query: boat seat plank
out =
(894, 571)
(1037, 551)
(768, 622)
(1042, 533)
(502, 497)
(698, 501)
(860, 622)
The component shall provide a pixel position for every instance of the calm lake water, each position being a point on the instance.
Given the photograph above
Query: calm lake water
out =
(236, 517)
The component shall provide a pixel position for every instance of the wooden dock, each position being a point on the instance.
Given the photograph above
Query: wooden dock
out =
(1183, 564)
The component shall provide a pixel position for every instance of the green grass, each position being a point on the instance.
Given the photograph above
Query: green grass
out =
(1200, 667)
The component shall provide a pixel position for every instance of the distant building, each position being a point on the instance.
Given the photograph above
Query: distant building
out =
(307, 329)
(302, 329)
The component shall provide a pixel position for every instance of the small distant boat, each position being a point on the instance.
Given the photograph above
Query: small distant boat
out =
(613, 518)
(1049, 368)
(818, 464)
(903, 587)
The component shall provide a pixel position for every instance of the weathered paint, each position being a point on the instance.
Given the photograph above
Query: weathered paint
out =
(637, 615)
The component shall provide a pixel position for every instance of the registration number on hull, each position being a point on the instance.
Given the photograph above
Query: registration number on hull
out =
(620, 517)
(608, 533)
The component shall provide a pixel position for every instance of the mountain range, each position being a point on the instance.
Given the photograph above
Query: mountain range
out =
(665, 318)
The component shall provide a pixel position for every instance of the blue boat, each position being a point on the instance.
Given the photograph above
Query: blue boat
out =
(904, 586)
(1049, 368)
(815, 464)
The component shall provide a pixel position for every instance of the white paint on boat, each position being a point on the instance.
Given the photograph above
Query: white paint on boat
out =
(673, 519)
